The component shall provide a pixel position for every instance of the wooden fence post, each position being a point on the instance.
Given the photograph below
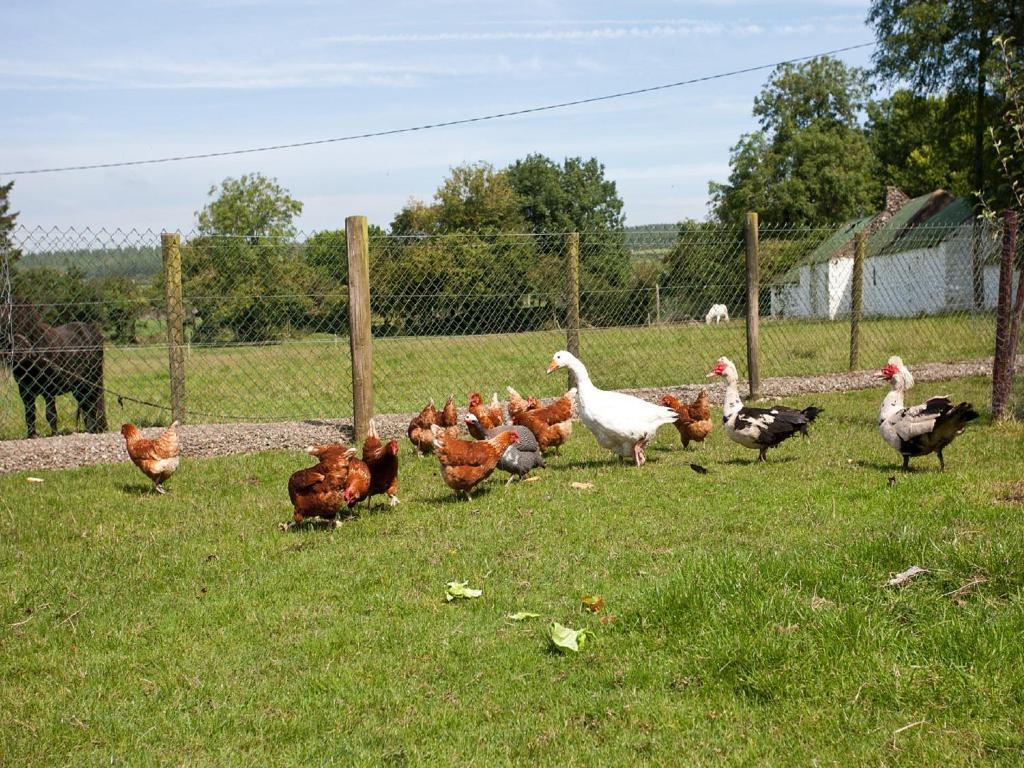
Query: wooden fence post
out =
(1004, 361)
(572, 319)
(753, 294)
(170, 245)
(857, 297)
(360, 338)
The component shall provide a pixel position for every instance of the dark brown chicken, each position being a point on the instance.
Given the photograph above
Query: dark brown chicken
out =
(156, 457)
(382, 461)
(694, 422)
(319, 491)
(464, 464)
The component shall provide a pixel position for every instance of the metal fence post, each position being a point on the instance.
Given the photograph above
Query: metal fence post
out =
(753, 293)
(657, 304)
(857, 297)
(572, 319)
(170, 243)
(360, 338)
(1004, 361)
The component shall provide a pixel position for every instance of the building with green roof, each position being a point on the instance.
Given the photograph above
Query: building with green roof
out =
(919, 256)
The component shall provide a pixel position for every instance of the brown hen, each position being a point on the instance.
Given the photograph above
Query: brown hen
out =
(548, 435)
(489, 416)
(694, 422)
(319, 491)
(382, 461)
(156, 457)
(419, 429)
(464, 464)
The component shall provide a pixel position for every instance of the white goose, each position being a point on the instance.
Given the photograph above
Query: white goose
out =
(621, 423)
(920, 429)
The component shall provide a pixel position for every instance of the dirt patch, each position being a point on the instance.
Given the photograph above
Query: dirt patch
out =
(1013, 494)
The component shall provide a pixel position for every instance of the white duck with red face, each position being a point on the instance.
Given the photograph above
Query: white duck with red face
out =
(920, 429)
(757, 428)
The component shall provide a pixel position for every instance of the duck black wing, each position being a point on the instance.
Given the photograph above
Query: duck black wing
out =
(770, 426)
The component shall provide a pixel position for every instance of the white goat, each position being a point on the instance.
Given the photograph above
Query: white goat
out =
(718, 312)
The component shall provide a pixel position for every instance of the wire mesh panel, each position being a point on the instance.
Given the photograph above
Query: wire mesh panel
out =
(679, 307)
(265, 319)
(926, 293)
(266, 327)
(461, 313)
(83, 330)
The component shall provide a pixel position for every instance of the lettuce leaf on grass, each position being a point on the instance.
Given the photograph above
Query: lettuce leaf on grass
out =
(461, 589)
(566, 639)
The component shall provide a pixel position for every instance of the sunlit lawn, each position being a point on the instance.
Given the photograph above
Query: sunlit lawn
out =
(747, 620)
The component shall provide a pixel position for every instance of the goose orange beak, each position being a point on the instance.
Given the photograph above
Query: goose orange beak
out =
(553, 366)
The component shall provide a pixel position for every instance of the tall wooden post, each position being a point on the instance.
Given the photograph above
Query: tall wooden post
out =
(857, 297)
(753, 310)
(360, 339)
(572, 319)
(1004, 361)
(170, 245)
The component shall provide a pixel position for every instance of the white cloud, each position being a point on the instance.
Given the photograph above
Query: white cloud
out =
(686, 30)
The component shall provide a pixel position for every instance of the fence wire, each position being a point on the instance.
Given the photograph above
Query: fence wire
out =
(266, 318)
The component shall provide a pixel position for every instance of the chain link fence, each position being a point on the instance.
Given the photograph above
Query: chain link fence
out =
(265, 319)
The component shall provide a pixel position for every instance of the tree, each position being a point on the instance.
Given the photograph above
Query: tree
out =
(571, 197)
(575, 196)
(1008, 137)
(937, 46)
(7, 219)
(474, 198)
(810, 162)
(251, 207)
(923, 143)
(243, 274)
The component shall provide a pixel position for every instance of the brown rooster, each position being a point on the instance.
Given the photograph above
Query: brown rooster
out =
(319, 491)
(489, 416)
(464, 464)
(383, 464)
(419, 429)
(694, 422)
(158, 457)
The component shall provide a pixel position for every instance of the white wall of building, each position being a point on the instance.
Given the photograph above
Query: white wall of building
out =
(924, 281)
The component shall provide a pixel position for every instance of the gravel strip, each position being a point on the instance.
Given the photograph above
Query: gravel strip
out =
(205, 440)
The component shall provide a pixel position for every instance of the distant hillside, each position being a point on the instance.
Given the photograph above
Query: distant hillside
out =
(130, 261)
(651, 240)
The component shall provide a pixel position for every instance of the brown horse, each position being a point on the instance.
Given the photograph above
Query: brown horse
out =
(50, 360)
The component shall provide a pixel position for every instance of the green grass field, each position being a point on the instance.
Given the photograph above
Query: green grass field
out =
(312, 378)
(747, 621)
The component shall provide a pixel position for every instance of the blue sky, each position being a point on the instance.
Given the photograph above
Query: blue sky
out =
(105, 81)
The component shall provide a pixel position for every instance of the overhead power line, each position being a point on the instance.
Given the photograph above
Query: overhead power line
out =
(429, 126)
